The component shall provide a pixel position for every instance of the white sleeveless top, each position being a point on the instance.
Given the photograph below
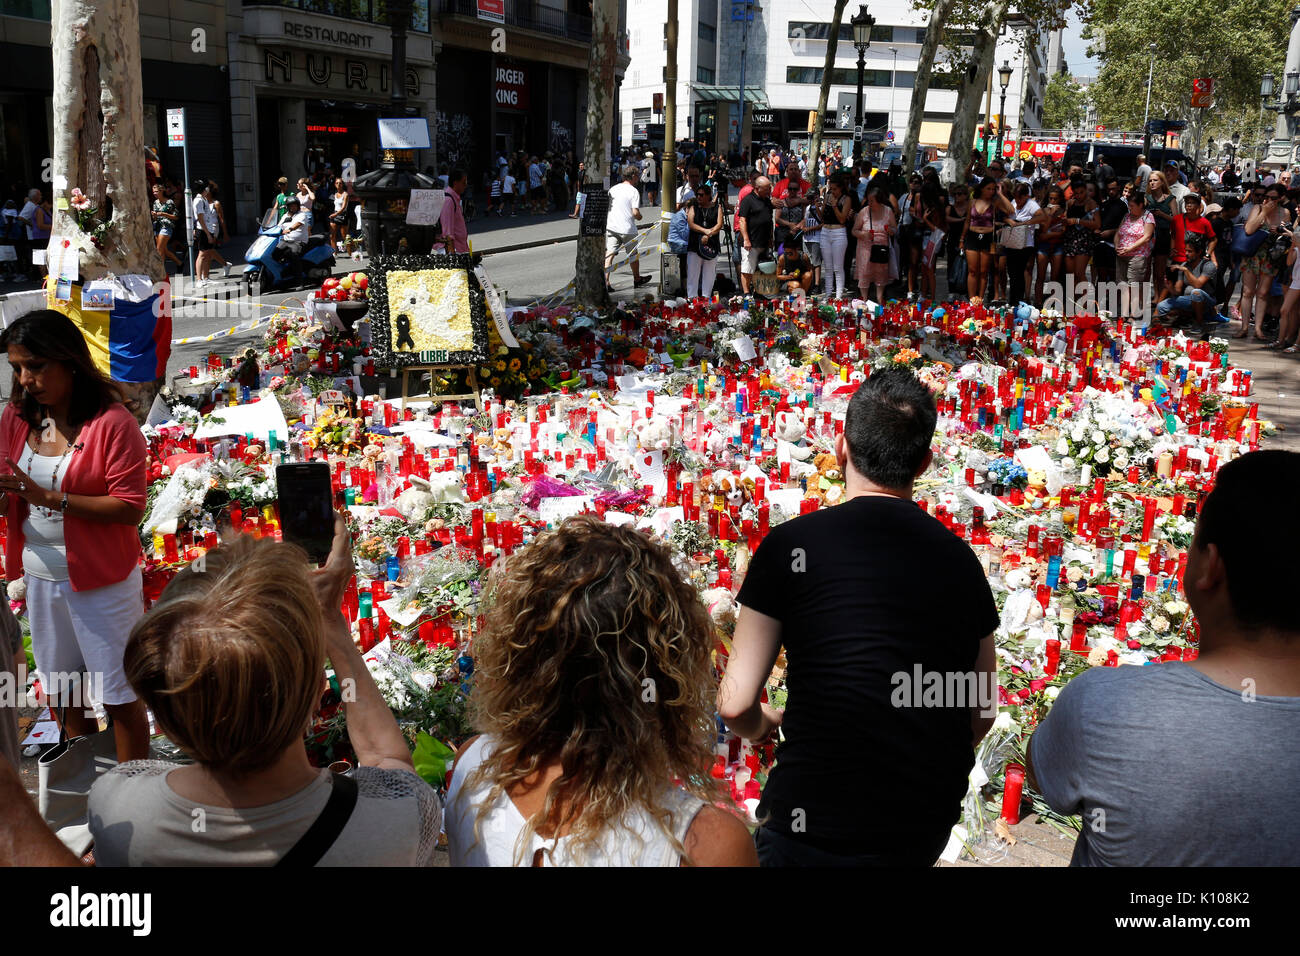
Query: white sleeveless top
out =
(637, 842)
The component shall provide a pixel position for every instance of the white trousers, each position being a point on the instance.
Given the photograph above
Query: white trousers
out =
(700, 273)
(835, 244)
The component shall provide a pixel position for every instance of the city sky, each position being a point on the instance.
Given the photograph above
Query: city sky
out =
(1075, 48)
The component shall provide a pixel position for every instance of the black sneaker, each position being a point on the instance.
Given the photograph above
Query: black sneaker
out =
(642, 281)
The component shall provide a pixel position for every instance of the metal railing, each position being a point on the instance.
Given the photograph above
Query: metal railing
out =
(530, 16)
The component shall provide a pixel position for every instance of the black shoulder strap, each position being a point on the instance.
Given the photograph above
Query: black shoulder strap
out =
(320, 836)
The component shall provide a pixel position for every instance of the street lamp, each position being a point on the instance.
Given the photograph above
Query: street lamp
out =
(1266, 86)
(1004, 76)
(893, 85)
(1292, 83)
(1146, 114)
(862, 25)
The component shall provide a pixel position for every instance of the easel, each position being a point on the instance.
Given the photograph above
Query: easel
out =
(433, 370)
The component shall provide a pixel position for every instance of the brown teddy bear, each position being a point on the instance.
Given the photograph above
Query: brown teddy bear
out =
(827, 485)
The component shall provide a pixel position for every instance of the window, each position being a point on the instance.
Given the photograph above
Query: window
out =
(945, 80)
(799, 29)
(846, 76)
(641, 115)
(703, 75)
(708, 33)
(881, 34)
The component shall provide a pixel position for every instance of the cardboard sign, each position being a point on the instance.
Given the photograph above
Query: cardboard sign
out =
(425, 207)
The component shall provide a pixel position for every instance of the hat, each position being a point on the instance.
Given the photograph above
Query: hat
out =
(1171, 162)
(649, 155)
(1213, 208)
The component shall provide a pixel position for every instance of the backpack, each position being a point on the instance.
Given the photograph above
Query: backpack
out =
(679, 232)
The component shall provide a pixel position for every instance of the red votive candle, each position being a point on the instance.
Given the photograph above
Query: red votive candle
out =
(1012, 790)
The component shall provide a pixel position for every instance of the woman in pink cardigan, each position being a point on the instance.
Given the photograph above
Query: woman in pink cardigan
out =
(73, 494)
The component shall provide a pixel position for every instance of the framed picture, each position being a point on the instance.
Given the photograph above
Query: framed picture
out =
(427, 310)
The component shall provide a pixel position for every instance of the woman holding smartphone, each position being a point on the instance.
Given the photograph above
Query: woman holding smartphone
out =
(73, 496)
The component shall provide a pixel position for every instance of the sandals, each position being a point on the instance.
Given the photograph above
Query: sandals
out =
(1292, 349)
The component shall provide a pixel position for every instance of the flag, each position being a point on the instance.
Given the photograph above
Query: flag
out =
(128, 344)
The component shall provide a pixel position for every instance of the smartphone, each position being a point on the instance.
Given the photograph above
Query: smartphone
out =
(307, 507)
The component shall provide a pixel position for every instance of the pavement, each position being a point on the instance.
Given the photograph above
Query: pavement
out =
(488, 234)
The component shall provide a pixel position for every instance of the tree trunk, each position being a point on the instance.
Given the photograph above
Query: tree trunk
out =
(933, 34)
(98, 144)
(815, 141)
(589, 284)
(962, 136)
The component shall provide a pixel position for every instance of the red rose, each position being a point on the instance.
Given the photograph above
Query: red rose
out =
(1025, 693)
(1134, 645)
(1037, 685)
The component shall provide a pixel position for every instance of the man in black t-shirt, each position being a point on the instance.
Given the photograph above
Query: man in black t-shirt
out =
(1109, 217)
(887, 622)
(755, 229)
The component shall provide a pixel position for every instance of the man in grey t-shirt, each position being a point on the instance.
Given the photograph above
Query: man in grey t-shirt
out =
(1196, 764)
(1142, 175)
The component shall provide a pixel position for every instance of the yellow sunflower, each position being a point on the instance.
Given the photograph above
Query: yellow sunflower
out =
(515, 365)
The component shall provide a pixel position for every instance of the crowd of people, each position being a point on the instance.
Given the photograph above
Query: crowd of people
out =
(575, 763)
(1073, 239)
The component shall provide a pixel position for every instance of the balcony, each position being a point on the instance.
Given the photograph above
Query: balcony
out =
(529, 16)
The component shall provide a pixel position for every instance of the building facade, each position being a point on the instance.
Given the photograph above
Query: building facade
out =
(780, 47)
(183, 65)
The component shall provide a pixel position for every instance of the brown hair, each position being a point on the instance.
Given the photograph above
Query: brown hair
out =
(230, 660)
(596, 653)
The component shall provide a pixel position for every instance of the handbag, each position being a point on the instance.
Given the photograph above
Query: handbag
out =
(879, 252)
(67, 772)
(1014, 237)
(1244, 246)
(957, 276)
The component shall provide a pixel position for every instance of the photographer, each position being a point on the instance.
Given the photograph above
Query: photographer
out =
(1192, 290)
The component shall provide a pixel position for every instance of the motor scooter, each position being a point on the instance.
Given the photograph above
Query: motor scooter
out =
(266, 273)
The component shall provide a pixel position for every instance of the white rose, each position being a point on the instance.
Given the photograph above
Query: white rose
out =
(1068, 464)
(1078, 434)
(1098, 437)
(1062, 447)
(1175, 607)
(1052, 692)
(1103, 455)
(1121, 462)
(1159, 624)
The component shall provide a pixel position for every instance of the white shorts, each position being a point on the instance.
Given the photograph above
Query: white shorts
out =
(76, 632)
(613, 241)
(749, 260)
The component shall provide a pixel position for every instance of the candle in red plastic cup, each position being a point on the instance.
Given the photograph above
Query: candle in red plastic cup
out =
(1012, 791)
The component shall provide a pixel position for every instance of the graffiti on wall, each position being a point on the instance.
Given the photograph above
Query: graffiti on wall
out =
(561, 140)
(455, 139)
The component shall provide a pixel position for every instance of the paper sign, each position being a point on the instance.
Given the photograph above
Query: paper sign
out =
(332, 396)
(744, 347)
(38, 257)
(787, 499)
(97, 297)
(260, 418)
(63, 291)
(44, 732)
(404, 133)
(61, 202)
(555, 510)
(424, 207)
(649, 467)
(159, 413)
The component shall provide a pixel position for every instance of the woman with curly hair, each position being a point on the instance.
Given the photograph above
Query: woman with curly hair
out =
(594, 691)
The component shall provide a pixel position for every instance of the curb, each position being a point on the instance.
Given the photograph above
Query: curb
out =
(641, 227)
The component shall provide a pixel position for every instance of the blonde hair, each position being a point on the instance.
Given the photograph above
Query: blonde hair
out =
(231, 658)
(596, 654)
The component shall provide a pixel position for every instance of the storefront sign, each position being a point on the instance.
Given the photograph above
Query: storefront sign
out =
(326, 129)
(494, 10)
(1038, 150)
(310, 31)
(332, 72)
(764, 119)
(511, 87)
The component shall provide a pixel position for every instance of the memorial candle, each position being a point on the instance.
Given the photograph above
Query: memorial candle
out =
(1013, 789)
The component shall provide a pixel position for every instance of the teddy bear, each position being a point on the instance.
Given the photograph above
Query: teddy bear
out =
(657, 433)
(1036, 490)
(502, 450)
(827, 484)
(415, 500)
(790, 431)
(721, 605)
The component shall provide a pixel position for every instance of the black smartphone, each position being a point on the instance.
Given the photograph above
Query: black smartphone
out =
(307, 507)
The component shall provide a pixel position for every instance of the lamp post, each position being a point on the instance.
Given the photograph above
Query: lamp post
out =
(862, 25)
(1232, 156)
(893, 85)
(1146, 114)
(1004, 77)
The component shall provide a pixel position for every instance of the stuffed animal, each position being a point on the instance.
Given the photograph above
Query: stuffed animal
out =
(502, 450)
(721, 605)
(658, 433)
(725, 489)
(827, 485)
(790, 431)
(1036, 491)
(415, 500)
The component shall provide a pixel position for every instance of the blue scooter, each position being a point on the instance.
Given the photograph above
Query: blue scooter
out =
(265, 273)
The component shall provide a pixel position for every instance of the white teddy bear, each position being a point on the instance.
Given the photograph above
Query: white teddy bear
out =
(658, 433)
(790, 431)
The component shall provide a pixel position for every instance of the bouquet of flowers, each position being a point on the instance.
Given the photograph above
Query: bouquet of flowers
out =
(86, 213)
